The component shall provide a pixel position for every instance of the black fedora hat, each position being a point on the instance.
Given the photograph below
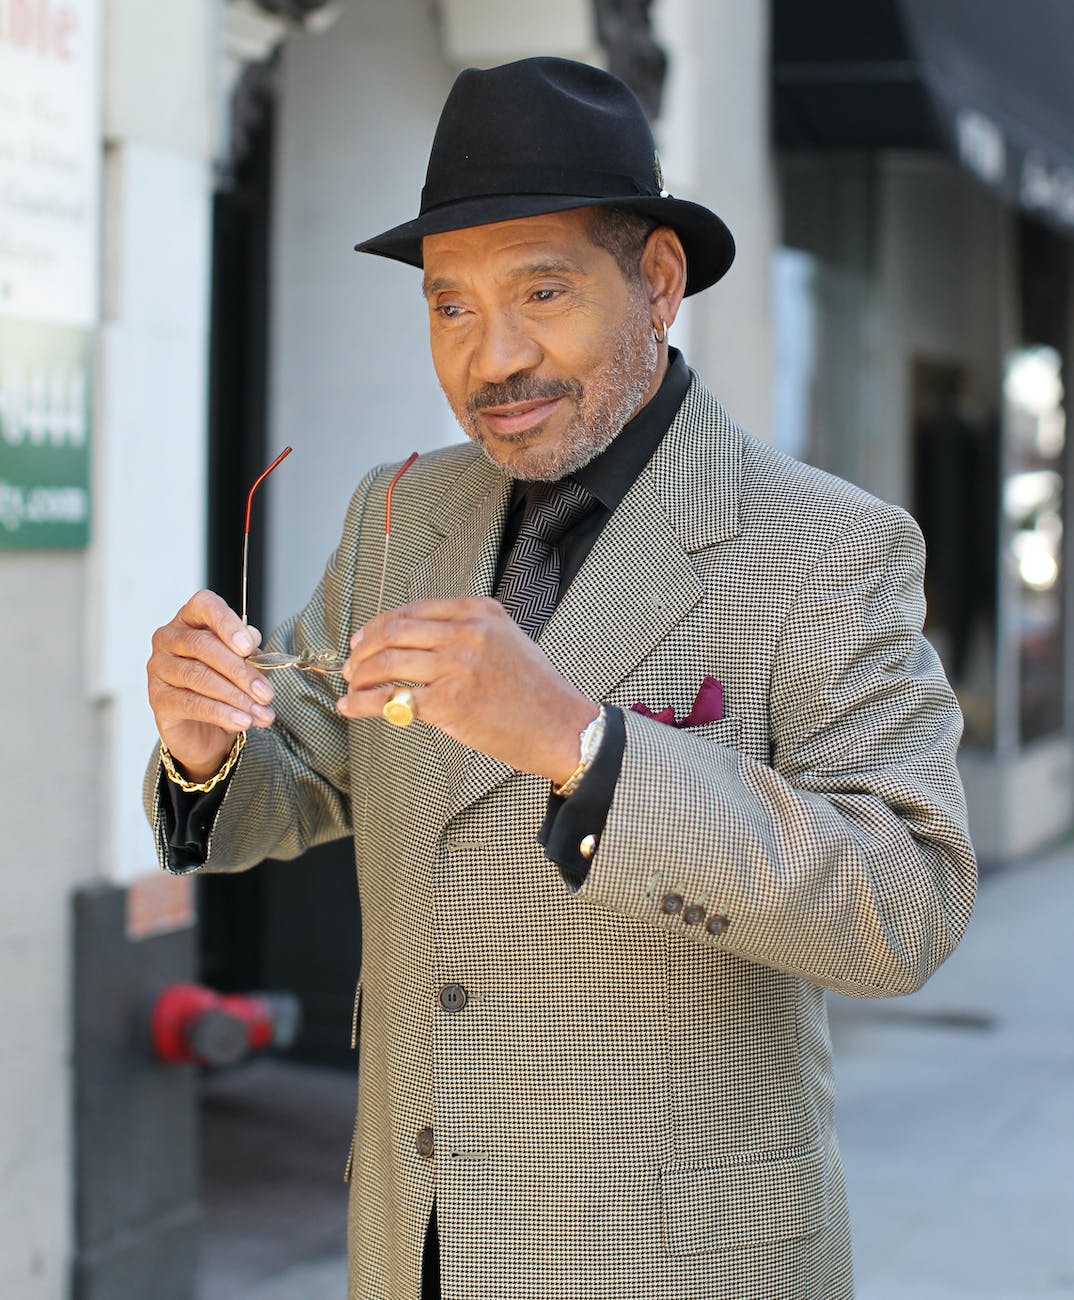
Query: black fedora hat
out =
(545, 135)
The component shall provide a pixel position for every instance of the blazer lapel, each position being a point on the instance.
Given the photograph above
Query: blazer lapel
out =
(639, 581)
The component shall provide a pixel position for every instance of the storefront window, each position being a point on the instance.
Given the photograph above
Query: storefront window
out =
(956, 502)
(1032, 492)
(1035, 436)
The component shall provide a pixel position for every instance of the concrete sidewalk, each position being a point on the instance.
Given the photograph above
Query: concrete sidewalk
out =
(956, 1108)
(956, 1114)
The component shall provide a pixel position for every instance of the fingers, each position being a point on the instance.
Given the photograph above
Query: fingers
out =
(208, 610)
(370, 702)
(423, 622)
(428, 641)
(429, 625)
(197, 673)
(447, 646)
(393, 664)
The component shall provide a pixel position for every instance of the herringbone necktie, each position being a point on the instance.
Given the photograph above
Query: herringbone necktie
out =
(529, 588)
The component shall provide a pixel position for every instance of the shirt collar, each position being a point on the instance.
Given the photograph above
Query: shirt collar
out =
(611, 475)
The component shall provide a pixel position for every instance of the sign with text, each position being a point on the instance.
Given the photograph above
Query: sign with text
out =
(45, 402)
(50, 156)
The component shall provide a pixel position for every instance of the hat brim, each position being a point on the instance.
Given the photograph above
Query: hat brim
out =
(709, 247)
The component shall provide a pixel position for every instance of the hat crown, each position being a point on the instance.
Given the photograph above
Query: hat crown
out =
(547, 135)
(540, 126)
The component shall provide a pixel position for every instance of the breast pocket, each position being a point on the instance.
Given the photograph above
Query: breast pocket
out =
(724, 732)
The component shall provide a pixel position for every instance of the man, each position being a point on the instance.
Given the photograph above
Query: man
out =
(694, 765)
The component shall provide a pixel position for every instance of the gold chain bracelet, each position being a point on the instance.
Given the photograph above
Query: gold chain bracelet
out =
(201, 787)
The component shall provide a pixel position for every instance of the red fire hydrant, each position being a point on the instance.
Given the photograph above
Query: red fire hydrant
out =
(191, 1023)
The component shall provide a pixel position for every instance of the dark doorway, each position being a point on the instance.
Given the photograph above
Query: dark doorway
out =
(291, 926)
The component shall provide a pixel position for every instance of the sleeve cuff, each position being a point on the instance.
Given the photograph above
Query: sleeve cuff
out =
(572, 827)
(188, 822)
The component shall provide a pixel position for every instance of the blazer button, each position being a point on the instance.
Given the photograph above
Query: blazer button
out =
(694, 913)
(424, 1142)
(717, 924)
(671, 904)
(453, 997)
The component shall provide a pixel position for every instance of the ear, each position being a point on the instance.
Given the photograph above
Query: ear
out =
(663, 273)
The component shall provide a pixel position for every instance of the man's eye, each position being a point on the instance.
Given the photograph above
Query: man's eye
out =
(448, 310)
(545, 295)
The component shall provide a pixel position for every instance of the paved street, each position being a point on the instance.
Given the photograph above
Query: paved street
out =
(956, 1115)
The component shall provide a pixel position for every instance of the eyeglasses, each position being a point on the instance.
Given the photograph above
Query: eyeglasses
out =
(311, 661)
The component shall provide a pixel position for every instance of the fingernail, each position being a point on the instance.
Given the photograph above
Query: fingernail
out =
(261, 690)
(265, 716)
(240, 721)
(243, 642)
(356, 637)
(341, 704)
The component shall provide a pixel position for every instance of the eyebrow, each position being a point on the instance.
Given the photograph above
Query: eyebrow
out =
(554, 266)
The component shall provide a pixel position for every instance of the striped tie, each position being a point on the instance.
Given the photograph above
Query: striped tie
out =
(529, 588)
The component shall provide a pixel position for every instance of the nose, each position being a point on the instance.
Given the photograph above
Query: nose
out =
(504, 348)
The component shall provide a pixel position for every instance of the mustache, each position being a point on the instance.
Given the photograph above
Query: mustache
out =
(522, 388)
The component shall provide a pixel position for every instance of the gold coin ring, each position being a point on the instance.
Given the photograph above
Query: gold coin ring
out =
(400, 710)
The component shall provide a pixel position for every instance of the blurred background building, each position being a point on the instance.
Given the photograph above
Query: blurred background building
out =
(180, 189)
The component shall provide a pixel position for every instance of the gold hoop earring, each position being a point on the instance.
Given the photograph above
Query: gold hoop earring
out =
(661, 335)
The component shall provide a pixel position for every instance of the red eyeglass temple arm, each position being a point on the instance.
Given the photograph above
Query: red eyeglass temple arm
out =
(391, 488)
(246, 524)
(264, 475)
(257, 483)
(388, 524)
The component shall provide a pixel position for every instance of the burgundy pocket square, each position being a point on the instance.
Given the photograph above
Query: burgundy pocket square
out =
(707, 707)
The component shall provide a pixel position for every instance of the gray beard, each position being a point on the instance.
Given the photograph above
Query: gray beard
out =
(603, 408)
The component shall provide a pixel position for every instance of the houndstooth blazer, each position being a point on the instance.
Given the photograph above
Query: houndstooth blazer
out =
(635, 1100)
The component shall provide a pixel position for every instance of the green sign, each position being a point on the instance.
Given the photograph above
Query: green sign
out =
(45, 404)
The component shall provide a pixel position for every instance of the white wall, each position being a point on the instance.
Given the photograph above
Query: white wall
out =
(48, 748)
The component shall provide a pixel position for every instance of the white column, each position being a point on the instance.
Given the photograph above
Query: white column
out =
(714, 143)
(148, 552)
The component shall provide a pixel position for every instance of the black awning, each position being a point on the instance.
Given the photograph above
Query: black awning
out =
(990, 80)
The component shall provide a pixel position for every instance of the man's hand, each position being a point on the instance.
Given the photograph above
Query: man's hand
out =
(201, 689)
(482, 680)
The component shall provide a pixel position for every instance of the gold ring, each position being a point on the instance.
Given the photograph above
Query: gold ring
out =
(400, 710)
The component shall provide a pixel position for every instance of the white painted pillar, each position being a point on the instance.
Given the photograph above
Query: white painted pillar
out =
(148, 551)
(714, 143)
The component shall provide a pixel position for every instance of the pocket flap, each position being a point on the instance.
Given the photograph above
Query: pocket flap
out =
(720, 1207)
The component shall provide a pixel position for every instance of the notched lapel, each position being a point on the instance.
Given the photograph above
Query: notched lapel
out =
(639, 582)
(636, 584)
(470, 522)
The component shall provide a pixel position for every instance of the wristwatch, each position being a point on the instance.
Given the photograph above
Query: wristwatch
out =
(589, 742)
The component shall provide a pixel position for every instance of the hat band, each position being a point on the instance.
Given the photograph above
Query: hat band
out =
(506, 179)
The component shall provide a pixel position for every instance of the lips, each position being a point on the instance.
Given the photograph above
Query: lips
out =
(518, 417)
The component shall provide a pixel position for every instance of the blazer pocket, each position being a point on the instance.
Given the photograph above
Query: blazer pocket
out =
(724, 732)
(775, 1197)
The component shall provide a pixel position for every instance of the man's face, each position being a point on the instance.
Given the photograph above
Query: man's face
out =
(542, 347)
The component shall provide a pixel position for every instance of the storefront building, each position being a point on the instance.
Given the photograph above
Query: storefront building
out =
(923, 308)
